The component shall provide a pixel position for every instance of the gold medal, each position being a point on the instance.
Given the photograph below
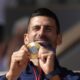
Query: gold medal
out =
(33, 48)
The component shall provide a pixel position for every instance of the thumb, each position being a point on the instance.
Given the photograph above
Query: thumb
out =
(41, 63)
(50, 58)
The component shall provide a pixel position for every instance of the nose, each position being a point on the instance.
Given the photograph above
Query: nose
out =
(41, 31)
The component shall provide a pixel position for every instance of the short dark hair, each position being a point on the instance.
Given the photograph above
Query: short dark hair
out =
(48, 13)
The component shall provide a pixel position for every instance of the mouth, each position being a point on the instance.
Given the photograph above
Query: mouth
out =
(41, 42)
(45, 44)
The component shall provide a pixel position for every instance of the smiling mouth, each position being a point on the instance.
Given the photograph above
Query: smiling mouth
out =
(42, 42)
(45, 44)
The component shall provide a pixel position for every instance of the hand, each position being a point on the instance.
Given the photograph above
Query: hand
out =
(46, 60)
(19, 62)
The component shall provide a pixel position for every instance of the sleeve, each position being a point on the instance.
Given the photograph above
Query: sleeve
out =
(70, 77)
(3, 77)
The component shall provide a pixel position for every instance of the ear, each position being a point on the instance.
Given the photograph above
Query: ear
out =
(26, 40)
(59, 39)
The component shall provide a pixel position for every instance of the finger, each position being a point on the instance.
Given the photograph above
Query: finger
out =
(20, 60)
(20, 57)
(21, 53)
(43, 57)
(41, 63)
(24, 51)
(24, 47)
(50, 58)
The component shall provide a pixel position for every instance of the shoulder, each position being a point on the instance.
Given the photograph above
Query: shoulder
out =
(3, 77)
(69, 75)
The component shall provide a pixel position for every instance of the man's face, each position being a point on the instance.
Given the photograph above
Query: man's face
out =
(43, 30)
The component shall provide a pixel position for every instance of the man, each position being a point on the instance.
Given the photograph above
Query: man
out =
(44, 29)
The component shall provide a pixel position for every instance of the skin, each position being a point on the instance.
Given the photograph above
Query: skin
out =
(42, 29)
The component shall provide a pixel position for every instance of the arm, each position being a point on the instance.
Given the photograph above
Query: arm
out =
(19, 62)
(3, 77)
(47, 63)
(57, 77)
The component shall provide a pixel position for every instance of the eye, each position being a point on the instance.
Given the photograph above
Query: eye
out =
(36, 28)
(48, 29)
